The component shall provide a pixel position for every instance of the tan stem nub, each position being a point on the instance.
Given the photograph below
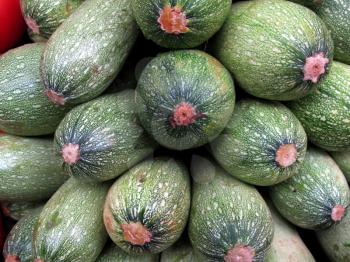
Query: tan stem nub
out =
(12, 258)
(314, 67)
(337, 213)
(39, 260)
(286, 155)
(240, 253)
(172, 20)
(54, 97)
(136, 233)
(184, 114)
(32, 25)
(71, 153)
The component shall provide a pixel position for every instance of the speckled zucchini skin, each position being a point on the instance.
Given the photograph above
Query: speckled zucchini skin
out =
(70, 227)
(325, 114)
(48, 15)
(286, 244)
(19, 240)
(307, 198)
(29, 170)
(247, 147)
(110, 138)
(265, 43)
(335, 241)
(17, 210)
(226, 212)
(181, 251)
(24, 109)
(204, 19)
(113, 253)
(87, 51)
(343, 161)
(185, 76)
(155, 193)
(336, 15)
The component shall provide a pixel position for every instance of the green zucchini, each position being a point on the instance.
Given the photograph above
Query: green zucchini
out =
(29, 169)
(229, 219)
(184, 98)
(335, 14)
(286, 244)
(87, 51)
(335, 241)
(146, 209)
(24, 109)
(44, 17)
(102, 139)
(343, 161)
(325, 113)
(180, 23)
(317, 197)
(276, 49)
(18, 245)
(17, 210)
(263, 143)
(70, 227)
(113, 253)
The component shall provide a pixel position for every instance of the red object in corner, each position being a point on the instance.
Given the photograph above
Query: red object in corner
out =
(2, 233)
(12, 25)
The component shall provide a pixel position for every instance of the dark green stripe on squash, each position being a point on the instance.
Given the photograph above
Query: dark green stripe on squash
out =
(44, 17)
(180, 23)
(24, 109)
(184, 98)
(263, 143)
(229, 218)
(101, 139)
(276, 49)
(29, 169)
(87, 51)
(146, 209)
(70, 226)
(315, 198)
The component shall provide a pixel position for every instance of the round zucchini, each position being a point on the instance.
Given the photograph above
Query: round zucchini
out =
(24, 109)
(87, 51)
(18, 245)
(29, 169)
(276, 49)
(229, 219)
(70, 226)
(146, 209)
(184, 98)
(325, 114)
(44, 17)
(102, 139)
(263, 143)
(317, 197)
(180, 23)
(181, 251)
